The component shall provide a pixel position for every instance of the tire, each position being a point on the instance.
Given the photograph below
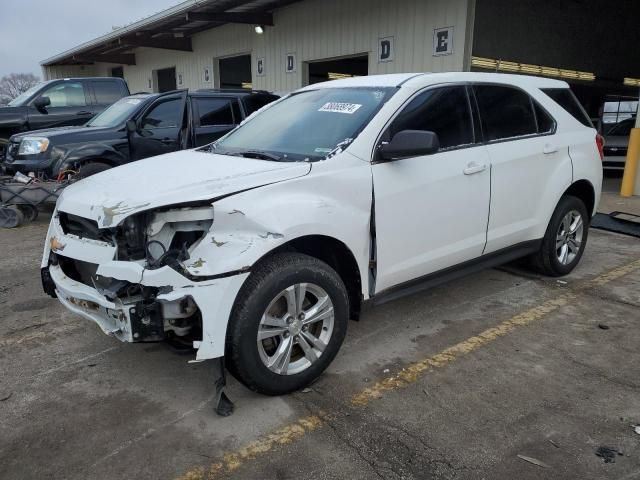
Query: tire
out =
(91, 168)
(550, 259)
(267, 290)
(30, 212)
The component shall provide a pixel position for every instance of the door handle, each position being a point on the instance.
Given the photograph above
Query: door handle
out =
(83, 112)
(168, 141)
(549, 148)
(473, 167)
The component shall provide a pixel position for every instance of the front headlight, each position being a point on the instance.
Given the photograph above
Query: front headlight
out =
(33, 145)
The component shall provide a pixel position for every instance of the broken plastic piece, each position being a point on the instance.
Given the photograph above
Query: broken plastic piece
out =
(224, 407)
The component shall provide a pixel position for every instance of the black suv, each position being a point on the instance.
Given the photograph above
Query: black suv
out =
(135, 127)
(56, 103)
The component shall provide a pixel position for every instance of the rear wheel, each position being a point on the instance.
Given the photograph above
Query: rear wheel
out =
(565, 239)
(288, 323)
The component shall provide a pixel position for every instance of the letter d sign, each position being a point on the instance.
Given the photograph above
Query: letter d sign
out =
(385, 50)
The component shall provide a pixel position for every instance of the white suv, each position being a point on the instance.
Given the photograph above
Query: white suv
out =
(261, 246)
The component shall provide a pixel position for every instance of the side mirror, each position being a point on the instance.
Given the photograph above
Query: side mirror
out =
(132, 126)
(410, 143)
(41, 103)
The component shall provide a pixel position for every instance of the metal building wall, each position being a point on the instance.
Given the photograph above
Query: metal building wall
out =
(313, 30)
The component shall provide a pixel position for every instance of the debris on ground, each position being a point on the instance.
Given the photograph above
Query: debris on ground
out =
(306, 390)
(603, 326)
(386, 370)
(636, 428)
(561, 282)
(608, 454)
(534, 461)
(5, 398)
(554, 443)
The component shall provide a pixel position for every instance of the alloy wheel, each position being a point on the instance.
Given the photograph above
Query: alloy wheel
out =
(569, 237)
(295, 329)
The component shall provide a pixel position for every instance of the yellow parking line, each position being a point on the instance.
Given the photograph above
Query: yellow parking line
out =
(233, 461)
(409, 375)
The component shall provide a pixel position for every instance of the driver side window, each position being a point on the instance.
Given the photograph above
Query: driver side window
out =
(67, 94)
(163, 115)
(444, 111)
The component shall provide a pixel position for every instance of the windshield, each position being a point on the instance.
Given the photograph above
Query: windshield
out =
(307, 125)
(116, 114)
(21, 99)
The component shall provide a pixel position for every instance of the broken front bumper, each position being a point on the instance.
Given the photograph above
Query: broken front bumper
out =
(137, 321)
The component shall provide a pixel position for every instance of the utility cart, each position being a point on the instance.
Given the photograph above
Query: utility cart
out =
(19, 200)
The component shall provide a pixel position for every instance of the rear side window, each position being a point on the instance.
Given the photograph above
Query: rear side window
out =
(444, 111)
(214, 111)
(506, 112)
(567, 100)
(106, 92)
(162, 115)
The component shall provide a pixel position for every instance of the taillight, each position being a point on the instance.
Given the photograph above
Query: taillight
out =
(600, 145)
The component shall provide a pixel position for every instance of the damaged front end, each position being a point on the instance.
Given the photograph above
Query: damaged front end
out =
(132, 279)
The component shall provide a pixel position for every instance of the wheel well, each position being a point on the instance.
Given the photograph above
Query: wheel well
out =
(103, 160)
(338, 256)
(583, 190)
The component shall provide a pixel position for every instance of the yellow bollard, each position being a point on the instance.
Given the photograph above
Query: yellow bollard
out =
(631, 165)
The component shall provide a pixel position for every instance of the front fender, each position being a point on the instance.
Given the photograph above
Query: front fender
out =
(248, 226)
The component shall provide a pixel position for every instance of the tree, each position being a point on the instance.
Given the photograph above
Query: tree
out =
(14, 84)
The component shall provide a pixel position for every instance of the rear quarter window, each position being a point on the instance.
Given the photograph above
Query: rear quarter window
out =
(506, 112)
(567, 100)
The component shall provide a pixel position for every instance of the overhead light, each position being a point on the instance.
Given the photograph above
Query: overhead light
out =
(515, 67)
(632, 82)
(259, 29)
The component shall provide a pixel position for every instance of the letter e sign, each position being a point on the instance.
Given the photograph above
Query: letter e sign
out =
(385, 49)
(443, 41)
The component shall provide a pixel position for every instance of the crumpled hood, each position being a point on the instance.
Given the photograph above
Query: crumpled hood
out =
(171, 179)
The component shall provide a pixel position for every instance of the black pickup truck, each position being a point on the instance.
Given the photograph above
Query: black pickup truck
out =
(135, 127)
(56, 103)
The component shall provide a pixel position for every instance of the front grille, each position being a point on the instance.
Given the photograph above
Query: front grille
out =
(83, 228)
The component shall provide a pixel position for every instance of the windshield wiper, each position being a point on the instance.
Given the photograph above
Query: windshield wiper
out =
(258, 154)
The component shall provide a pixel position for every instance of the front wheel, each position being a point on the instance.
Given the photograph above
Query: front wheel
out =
(565, 239)
(287, 325)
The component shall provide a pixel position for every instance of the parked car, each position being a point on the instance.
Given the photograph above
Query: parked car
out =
(261, 246)
(135, 127)
(56, 103)
(616, 143)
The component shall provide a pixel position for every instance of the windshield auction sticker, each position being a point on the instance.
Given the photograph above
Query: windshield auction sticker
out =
(336, 107)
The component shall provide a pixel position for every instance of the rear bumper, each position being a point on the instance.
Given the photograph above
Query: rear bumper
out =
(614, 162)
